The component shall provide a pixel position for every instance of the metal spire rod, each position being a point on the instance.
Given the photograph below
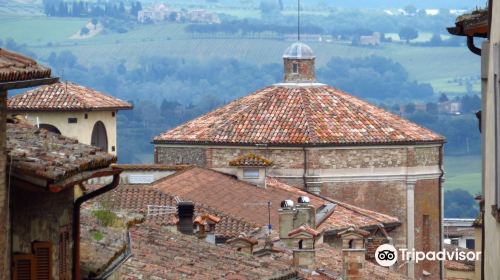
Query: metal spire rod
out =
(298, 20)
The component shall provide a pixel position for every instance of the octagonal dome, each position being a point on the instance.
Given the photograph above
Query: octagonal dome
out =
(299, 50)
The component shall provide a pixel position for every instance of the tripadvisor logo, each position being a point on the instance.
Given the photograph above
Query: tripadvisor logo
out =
(386, 255)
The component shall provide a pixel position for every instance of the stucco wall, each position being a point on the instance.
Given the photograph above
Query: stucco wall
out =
(492, 227)
(82, 130)
(4, 224)
(40, 216)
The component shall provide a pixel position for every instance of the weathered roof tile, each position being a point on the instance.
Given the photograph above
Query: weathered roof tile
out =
(65, 97)
(284, 115)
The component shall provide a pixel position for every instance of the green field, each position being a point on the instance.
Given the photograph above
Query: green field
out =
(435, 65)
(40, 30)
(463, 172)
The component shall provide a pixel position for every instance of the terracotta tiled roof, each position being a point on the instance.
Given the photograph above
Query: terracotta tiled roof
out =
(248, 240)
(160, 254)
(356, 230)
(202, 219)
(40, 153)
(250, 160)
(458, 266)
(136, 198)
(16, 67)
(300, 115)
(330, 259)
(64, 97)
(471, 24)
(305, 229)
(241, 199)
(149, 167)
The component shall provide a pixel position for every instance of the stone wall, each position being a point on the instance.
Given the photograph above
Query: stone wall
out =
(384, 197)
(173, 156)
(374, 178)
(359, 158)
(42, 216)
(427, 225)
(306, 70)
(4, 218)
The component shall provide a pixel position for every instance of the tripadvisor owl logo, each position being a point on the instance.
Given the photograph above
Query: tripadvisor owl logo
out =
(386, 255)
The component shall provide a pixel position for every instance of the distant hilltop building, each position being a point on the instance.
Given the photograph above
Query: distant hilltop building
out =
(325, 141)
(372, 40)
(161, 12)
(71, 110)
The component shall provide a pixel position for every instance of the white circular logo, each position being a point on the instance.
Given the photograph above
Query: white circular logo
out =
(386, 255)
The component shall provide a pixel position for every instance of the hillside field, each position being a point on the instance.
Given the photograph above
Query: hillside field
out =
(43, 35)
(463, 172)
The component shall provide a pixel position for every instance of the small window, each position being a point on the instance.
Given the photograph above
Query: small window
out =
(454, 242)
(250, 173)
(295, 68)
(72, 120)
(470, 244)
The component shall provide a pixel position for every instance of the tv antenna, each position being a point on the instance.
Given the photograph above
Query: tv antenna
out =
(298, 20)
(268, 204)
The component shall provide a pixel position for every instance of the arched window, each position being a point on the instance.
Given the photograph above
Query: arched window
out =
(99, 136)
(301, 244)
(50, 128)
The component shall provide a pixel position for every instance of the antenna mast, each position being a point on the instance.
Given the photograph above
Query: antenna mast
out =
(298, 20)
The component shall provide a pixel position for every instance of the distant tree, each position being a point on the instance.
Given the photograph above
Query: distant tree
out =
(431, 108)
(410, 108)
(94, 22)
(408, 34)
(410, 9)
(121, 8)
(136, 7)
(269, 8)
(443, 98)
(459, 203)
(84, 31)
(436, 40)
(11, 44)
(470, 103)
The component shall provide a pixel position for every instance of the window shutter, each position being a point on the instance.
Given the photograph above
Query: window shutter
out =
(43, 262)
(23, 267)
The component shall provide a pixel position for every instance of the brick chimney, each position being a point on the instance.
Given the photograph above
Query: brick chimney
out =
(292, 217)
(243, 244)
(353, 253)
(185, 211)
(205, 227)
(304, 253)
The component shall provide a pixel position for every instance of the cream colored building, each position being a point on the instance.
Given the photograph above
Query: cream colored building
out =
(72, 110)
(491, 150)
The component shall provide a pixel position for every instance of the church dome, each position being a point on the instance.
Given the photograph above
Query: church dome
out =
(305, 114)
(299, 51)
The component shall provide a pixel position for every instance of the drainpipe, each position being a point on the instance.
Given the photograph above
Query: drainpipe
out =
(441, 178)
(76, 219)
(305, 168)
(472, 47)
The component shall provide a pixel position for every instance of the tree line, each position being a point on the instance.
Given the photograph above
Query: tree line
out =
(91, 9)
(249, 28)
